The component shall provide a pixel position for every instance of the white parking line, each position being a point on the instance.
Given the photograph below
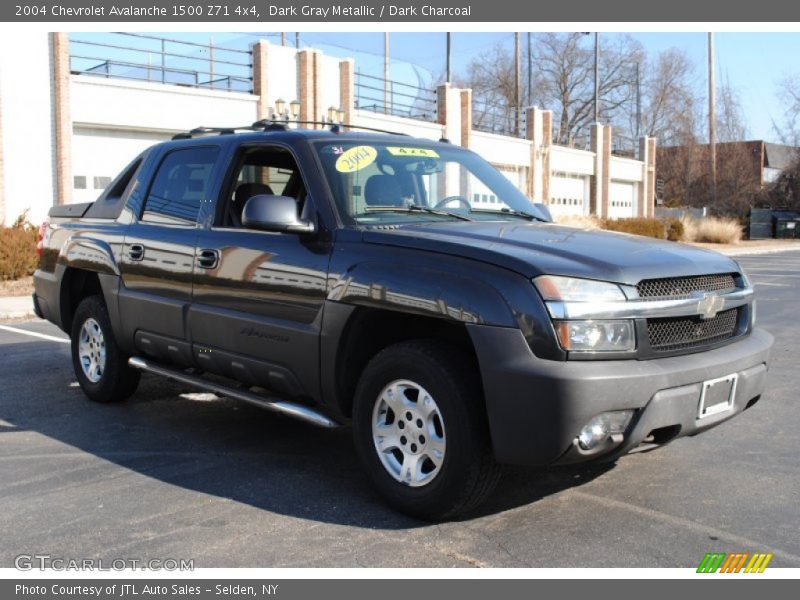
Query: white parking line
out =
(43, 336)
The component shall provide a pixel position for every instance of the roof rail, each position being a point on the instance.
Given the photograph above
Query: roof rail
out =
(198, 131)
(269, 125)
(274, 125)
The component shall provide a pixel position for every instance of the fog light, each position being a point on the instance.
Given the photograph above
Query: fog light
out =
(601, 427)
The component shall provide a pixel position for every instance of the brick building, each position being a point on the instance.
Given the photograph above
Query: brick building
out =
(743, 168)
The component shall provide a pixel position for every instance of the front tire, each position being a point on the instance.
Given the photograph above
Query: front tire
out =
(100, 365)
(420, 430)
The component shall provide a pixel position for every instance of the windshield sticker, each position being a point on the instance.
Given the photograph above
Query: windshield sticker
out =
(356, 159)
(415, 152)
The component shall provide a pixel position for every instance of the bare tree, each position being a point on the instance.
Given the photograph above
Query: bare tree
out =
(492, 79)
(563, 80)
(565, 66)
(670, 103)
(731, 125)
(788, 129)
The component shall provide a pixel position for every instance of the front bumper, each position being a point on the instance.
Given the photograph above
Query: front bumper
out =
(537, 407)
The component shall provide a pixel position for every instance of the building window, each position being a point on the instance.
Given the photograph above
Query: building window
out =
(79, 182)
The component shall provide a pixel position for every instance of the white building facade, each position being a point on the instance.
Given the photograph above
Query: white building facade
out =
(66, 132)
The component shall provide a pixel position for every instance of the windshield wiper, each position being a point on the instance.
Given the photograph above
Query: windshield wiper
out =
(416, 208)
(509, 211)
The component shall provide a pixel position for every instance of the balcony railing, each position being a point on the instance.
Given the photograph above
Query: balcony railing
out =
(142, 57)
(395, 98)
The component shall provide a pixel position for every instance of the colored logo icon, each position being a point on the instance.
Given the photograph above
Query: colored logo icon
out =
(738, 562)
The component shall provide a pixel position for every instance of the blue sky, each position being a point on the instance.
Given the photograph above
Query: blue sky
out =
(752, 63)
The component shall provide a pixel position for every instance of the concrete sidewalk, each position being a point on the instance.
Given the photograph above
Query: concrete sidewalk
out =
(751, 247)
(16, 307)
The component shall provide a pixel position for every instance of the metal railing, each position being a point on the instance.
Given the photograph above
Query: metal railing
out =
(395, 98)
(497, 117)
(143, 57)
(624, 146)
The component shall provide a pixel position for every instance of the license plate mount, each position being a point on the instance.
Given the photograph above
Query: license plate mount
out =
(717, 396)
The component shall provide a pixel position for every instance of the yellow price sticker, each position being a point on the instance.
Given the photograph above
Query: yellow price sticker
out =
(414, 152)
(356, 158)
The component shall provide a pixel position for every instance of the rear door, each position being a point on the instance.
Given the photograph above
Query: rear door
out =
(258, 296)
(159, 251)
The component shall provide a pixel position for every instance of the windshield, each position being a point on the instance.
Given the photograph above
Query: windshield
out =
(384, 183)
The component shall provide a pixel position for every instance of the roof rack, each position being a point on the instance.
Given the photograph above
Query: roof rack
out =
(274, 125)
(198, 131)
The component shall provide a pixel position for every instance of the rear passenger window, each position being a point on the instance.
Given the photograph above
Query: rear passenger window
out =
(180, 185)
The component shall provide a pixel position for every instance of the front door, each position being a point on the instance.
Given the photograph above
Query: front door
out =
(257, 299)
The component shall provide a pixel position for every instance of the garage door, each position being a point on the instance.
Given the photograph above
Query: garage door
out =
(98, 155)
(622, 200)
(569, 194)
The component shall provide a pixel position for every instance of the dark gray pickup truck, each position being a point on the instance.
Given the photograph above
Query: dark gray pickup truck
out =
(404, 287)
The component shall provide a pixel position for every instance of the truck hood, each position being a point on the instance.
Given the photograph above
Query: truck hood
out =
(533, 249)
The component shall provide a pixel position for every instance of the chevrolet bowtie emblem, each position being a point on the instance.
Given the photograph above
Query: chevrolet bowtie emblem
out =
(709, 305)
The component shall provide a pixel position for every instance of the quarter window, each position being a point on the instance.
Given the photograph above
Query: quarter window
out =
(180, 185)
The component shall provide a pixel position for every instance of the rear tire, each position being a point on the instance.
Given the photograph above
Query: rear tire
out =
(420, 430)
(100, 365)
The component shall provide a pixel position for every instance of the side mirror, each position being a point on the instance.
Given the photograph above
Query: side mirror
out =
(274, 213)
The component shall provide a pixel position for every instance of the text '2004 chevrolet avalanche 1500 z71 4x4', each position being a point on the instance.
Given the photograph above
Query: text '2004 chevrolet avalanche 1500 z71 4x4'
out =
(403, 287)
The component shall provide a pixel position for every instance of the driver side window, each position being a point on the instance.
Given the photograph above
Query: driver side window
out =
(261, 170)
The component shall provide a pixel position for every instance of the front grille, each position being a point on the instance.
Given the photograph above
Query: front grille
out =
(679, 333)
(682, 287)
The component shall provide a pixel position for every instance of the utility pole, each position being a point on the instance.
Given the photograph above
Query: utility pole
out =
(283, 38)
(297, 40)
(638, 101)
(712, 119)
(449, 59)
(596, 77)
(386, 72)
(530, 72)
(517, 85)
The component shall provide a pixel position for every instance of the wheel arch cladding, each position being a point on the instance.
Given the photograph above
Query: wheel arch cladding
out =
(353, 335)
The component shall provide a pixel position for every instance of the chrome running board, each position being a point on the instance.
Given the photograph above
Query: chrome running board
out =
(290, 409)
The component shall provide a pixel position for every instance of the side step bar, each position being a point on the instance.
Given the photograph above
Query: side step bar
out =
(290, 409)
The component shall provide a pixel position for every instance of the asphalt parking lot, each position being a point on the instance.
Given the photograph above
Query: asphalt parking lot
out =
(171, 475)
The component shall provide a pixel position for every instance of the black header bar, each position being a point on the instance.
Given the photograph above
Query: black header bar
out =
(410, 11)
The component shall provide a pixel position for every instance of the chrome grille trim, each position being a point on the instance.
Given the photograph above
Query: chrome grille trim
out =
(647, 309)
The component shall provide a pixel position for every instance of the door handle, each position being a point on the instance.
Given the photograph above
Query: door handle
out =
(136, 252)
(207, 258)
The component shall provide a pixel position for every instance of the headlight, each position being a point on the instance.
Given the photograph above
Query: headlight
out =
(571, 289)
(596, 336)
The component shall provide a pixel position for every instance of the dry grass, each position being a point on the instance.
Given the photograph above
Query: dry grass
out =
(709, 230)
(18, 256)
(579, 222)
(689, 229)
(712, 230)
